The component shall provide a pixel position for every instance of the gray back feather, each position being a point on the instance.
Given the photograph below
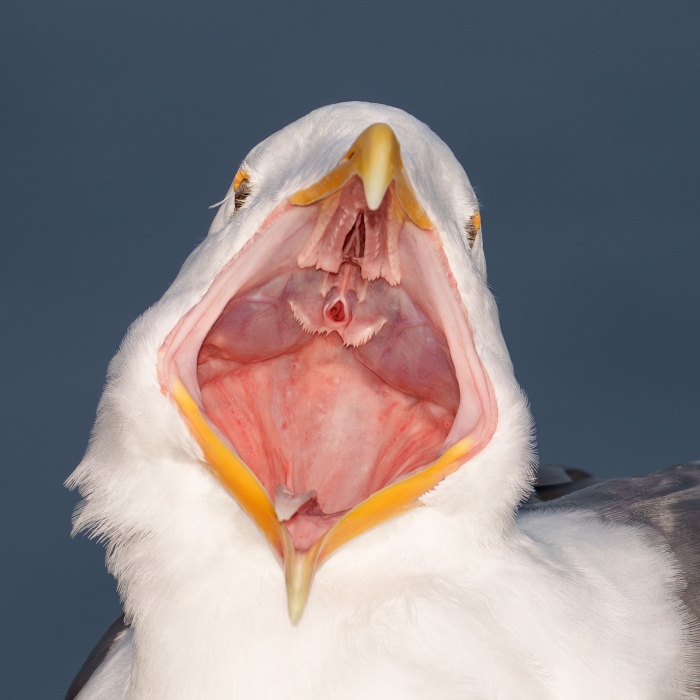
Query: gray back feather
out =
(667, 502)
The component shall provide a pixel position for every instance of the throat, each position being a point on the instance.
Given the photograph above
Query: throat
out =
(320, 429)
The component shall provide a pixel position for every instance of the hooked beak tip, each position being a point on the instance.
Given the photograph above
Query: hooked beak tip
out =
(375, 157)
(378, 153)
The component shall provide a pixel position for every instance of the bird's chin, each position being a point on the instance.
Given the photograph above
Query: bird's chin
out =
(329, 374)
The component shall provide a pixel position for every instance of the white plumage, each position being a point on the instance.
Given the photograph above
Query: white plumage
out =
(465, 597)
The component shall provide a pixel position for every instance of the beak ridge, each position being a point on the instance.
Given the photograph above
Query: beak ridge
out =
(375, 157)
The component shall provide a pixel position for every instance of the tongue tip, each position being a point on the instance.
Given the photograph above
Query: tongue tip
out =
(288, 503)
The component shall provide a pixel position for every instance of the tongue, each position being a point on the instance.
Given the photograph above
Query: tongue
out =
(287, 503)
(303, 517)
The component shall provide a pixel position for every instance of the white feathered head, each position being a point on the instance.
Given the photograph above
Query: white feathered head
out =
(327, 372)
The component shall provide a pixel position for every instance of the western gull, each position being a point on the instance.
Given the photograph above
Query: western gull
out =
(312, 466)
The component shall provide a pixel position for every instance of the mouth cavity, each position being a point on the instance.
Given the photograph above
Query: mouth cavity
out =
(333, 357)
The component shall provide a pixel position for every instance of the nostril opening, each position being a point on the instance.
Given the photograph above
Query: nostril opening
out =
(336, 312)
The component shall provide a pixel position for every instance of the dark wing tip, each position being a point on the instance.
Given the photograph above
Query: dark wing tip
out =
(97, 656)
(554, 481)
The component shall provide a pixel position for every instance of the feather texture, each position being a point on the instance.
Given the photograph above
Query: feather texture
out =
(464, 597)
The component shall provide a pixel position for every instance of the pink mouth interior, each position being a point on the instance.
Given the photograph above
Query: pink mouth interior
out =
(332, 383)
(312, 414)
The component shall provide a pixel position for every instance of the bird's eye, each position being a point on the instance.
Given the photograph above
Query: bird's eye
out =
(241, 188)
(473, 227)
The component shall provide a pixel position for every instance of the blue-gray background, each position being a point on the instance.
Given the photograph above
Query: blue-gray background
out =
(577, 121)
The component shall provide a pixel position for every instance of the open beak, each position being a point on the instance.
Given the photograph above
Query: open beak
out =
(300, 566)
(376, 158)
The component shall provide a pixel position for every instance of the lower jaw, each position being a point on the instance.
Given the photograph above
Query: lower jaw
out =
(300, 564)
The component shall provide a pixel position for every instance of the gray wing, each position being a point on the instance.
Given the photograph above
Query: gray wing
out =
(554, 482)
(667, 502)
(112, 636)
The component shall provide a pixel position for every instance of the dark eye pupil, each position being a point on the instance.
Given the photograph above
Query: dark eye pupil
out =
(471, 231)
(242, 192)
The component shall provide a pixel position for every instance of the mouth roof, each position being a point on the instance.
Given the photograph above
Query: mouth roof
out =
(330, 375)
